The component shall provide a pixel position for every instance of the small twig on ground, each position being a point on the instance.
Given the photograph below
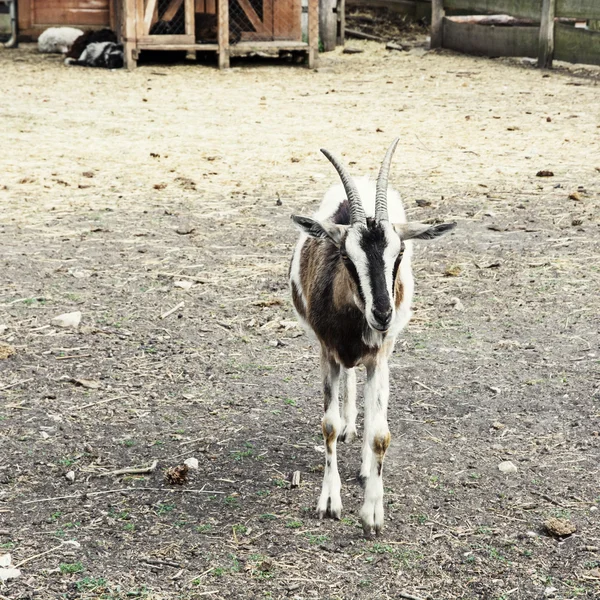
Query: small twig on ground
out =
(203, 574)
(548, 499)
(69, 542)
(427, 388)
(408, 596)
(361, 35)
(172, 310)
(168, 563)
(89, 404)
(10, 385)
(132, 470)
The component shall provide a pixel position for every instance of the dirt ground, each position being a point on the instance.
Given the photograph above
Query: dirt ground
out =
(115, 186)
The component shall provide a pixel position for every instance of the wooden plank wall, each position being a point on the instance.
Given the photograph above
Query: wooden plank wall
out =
(576, 45)
(37, 15)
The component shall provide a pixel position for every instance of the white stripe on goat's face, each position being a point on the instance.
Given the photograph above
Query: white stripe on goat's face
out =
(372, 255)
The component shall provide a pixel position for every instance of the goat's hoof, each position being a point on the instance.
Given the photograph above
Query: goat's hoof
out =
(331, 508)
(348, 435)
(371, 518)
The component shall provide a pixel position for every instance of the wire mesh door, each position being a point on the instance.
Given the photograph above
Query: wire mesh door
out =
(157, 19)
(265, 20)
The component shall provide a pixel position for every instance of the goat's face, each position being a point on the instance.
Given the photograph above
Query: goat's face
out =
(372, 256)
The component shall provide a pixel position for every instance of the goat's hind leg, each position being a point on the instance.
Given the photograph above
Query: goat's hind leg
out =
(330, 501)
(348, 385)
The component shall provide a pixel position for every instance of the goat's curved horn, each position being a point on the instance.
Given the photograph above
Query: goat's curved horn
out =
(381, 211)
(357, 213)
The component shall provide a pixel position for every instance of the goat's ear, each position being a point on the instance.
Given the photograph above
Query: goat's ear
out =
(421, 231)
(330, 231)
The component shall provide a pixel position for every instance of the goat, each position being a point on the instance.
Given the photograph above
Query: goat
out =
(352, 285)
(89, 37)
(58, 40)
(107, 55)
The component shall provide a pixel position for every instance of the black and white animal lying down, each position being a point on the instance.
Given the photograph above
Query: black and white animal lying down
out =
(96, 49)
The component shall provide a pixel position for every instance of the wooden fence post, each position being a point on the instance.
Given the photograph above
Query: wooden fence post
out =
(341, 22)
(437, 18)
(129, 33)
(313, 33)
(327, 24)
(546, 46)
(223, 33)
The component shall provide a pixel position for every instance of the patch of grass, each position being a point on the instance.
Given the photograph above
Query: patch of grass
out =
(66, 568)
(232, 501)
(316, 539)
(163, 509)
(263, 493)
(420, 519)
(484, 530)
(129, 527)
(267, 517)
(90, 583)
(241, 454)
(241, 529)
(128, 443)
(7, 545)
(204, 528)
(382, 549)
(289, 401)
(280, 483)
(260, 567)
(475, 476)
(294, 524)
(66, 461)
(55, 516)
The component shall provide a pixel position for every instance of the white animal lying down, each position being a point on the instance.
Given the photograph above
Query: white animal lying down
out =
(58, 40)
(107, 55)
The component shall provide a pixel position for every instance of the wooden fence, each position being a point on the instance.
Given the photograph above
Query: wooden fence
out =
(549, 40)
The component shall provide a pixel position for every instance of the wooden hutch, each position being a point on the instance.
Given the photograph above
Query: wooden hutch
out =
(228, 27)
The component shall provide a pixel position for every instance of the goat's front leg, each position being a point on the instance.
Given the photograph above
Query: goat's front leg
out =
(376, 442)
(348, 379)
(330, 501)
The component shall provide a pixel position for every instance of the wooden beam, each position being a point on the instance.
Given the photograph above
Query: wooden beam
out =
(172, 10)
(437, 29)
(515, 8)
(546, 44)
(151, 7)
(252, 16)
(223, 33)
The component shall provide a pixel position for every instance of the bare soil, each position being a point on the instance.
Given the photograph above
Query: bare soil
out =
(114, 186)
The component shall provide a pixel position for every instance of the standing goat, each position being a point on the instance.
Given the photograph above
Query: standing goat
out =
(352, 285)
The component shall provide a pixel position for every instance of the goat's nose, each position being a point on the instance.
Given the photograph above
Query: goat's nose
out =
(383, 317)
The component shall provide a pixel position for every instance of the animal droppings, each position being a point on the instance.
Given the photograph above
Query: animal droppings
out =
(559, 527)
